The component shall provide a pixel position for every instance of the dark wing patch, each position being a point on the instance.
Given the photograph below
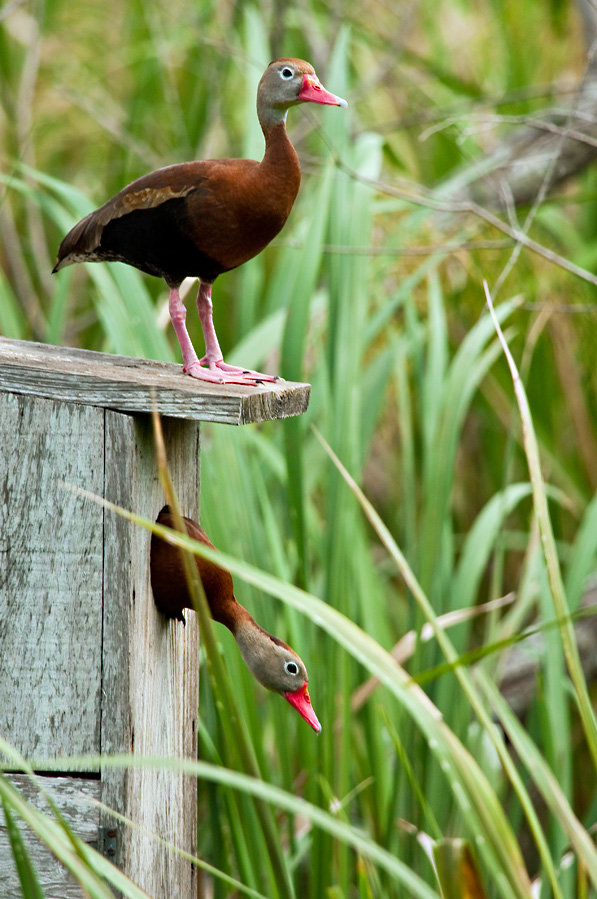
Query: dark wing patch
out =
(150, 193)
(156, 240)
(153, 238)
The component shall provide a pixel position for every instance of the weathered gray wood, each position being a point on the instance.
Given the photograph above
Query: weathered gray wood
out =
(151, 665)
(50, 576)
(87, 664)
(71, 795)
(124, 384)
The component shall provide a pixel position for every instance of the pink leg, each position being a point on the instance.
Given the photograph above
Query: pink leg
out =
(178, 316)
(190, 362)
(213, 358)
(217, 371)
(213, 353)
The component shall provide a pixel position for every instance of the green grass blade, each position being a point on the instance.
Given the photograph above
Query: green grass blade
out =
(30, 884)
(581, 563)
(556, 584)
(480, 541)
(545, 779)
(11, 320)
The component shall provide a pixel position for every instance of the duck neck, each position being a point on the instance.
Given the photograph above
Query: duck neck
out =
(255, 647)
(280, 158)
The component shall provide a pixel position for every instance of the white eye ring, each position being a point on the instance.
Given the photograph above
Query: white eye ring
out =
(291, 668)
(286, 73)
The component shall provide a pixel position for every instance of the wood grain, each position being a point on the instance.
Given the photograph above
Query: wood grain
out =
(87, 663)
(128, 385)
(71, 795)
(50, 576)
(151, 665)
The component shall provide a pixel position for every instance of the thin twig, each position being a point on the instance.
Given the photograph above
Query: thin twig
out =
(562, 308)
(7, 10)
(547, 178)
(421, 198)
(539, 124)
(430, 250)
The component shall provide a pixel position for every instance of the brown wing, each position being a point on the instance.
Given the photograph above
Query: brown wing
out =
(83, 242)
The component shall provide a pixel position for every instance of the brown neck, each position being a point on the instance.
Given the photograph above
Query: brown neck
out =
(280, 160)
(231, 614)
(217, 584)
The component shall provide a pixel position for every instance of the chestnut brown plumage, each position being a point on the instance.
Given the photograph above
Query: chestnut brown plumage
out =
(272, 662)
(204, 218)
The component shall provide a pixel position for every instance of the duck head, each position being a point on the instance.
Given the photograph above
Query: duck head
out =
(276, 666)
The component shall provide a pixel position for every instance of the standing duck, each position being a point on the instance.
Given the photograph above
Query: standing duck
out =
(272, 662)
(203, 218)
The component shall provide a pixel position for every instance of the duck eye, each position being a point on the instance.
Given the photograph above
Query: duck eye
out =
(291, 668)
(286, 73)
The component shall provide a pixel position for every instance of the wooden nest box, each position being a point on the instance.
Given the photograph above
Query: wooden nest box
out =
(88, 666)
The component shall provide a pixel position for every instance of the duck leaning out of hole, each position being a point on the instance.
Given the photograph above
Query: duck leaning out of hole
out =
(272, 662)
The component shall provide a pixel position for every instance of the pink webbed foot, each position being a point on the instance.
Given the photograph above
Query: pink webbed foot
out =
(247, 374)
(221, 373)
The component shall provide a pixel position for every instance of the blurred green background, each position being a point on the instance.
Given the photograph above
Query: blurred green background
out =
(373, 293)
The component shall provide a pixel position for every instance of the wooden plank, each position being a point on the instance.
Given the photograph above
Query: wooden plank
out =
(124, 384)
(50, 576)
(151, 665)
(71, 795)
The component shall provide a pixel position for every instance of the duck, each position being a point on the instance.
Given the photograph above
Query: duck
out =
(271, 661)
(203, 218)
